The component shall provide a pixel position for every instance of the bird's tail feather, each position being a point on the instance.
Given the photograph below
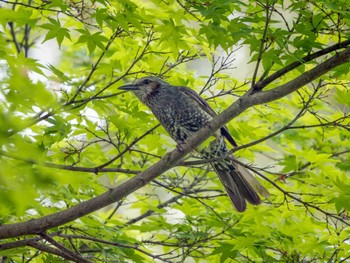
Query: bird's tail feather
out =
(240, 185)
(252, 181)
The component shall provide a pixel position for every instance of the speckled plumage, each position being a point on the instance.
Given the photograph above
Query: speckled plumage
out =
(182, 112)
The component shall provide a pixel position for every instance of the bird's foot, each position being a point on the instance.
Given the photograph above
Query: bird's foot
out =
(180, 146)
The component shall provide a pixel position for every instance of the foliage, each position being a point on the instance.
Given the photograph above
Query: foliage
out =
(67, 133)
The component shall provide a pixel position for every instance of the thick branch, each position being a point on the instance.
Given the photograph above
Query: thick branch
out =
(305, 78)
(170, 159)
(263, 83)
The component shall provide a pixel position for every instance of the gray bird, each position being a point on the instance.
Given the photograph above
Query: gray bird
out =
(182, 112)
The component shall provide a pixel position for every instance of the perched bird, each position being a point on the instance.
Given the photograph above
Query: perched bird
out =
(182, 112)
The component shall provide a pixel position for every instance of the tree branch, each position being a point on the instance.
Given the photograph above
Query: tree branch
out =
(76, 257)
(262, 41)
(263, 83)
(69, 167)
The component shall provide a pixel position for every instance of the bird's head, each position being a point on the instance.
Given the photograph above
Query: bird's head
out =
(146, 87)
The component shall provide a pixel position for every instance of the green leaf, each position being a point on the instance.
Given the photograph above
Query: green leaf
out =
(55, 31)
(21, 16)
(92, 40)
(59, 74)
(342, 202)
(343, 97)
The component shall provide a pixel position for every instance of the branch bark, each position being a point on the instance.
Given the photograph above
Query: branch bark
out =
(39, 225)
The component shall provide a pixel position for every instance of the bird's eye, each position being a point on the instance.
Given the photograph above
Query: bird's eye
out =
(146, 81)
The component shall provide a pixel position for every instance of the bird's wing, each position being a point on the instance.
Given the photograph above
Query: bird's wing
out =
(205, 106)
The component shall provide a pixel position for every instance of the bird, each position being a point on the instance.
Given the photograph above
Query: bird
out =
(183, 112)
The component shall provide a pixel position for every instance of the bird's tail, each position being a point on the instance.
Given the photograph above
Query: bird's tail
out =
(240, 184)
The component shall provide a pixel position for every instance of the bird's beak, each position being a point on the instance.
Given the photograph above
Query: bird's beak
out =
(129, 87)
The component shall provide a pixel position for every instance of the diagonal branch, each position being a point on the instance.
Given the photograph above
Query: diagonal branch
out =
(263, 83)
(39, 225)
